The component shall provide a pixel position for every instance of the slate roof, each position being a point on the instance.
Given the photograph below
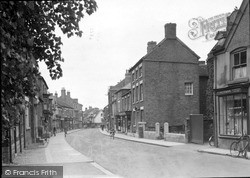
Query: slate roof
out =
(63, 104)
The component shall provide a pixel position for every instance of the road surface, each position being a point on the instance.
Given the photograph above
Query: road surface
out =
(131, 159)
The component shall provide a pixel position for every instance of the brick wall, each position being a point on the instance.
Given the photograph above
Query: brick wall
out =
(165, 99)
(209, 90)
(202, 93)
(165, 71)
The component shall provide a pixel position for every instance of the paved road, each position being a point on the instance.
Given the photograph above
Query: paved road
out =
(135, 160)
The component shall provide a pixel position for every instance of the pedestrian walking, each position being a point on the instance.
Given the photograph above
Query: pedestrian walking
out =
(65, 131)
(54, 131)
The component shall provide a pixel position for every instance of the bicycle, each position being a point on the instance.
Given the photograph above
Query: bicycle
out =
(112, 134)
(240, 147)
(211, 140)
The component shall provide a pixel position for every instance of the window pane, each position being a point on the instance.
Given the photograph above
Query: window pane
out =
(244, 113)
(222, 115)
(244, 71)
(138, 97)
(233, 114)
(237, 114)
(136, 94)
(239, 72)
(188, 88)
(236, 59)
(230, 118)
(141, 91)
(243, 57)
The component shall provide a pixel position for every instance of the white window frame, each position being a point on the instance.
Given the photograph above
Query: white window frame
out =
(239, 68)
(189, 88)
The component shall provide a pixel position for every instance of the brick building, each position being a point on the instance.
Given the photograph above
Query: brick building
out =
(34, 122)
(230, 58)
(67, 111)
(92, 117)
(123, 105)
(115, 94)
(165, 83)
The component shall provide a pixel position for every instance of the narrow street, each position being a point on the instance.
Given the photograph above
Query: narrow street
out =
(131, 159)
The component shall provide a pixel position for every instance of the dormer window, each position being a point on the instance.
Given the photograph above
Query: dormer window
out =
(239, 69)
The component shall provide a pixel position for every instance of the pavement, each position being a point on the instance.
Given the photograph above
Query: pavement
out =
(205, 148)
(57, 152)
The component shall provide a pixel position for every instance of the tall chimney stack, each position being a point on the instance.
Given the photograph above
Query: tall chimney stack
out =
(63, 94)
(170, 31)
(127, 77)
(68, 94)
(151, 45)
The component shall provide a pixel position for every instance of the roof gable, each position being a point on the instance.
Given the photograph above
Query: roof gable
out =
(240, 30)
(172, 50)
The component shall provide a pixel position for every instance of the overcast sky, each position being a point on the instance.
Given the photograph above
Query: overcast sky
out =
(115, 37)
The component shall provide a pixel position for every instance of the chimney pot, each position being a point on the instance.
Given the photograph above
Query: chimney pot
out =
(170, 31)
(151, 45)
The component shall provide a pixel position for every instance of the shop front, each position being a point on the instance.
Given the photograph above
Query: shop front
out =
(232, 111)
(125, 121)
(118, 123)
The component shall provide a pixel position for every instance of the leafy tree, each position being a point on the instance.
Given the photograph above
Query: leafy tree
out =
(27, 36)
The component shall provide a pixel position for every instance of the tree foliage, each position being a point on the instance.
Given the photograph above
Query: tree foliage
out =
(27, 36)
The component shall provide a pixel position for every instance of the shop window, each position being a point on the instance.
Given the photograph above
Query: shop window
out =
(188, 88)
(233, 114)
(239, 69)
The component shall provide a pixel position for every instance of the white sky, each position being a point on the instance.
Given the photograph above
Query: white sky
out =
(115, 37)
